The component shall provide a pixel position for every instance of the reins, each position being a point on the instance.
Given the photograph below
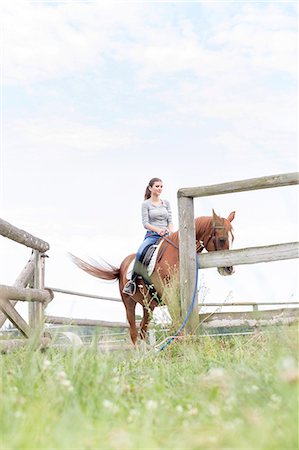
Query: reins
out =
(201, 245)
(170, 242)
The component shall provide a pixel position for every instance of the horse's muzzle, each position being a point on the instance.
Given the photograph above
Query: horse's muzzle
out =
(226, 270)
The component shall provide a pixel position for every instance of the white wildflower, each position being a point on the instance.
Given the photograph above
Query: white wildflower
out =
(179, 408)
(252, 388)
(67, 384)
(216, 373)
(275, 398)
(151, 405)
(192, 411)
(275, 401)
(61, 375)
(214, 410)
(64, 381)
(288, 370)
(46, 364)
(288, 362)
(110, 406)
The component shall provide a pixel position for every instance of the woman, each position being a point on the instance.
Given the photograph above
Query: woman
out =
(156, 219)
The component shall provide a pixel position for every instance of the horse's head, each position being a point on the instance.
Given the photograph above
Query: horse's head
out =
(218, 236)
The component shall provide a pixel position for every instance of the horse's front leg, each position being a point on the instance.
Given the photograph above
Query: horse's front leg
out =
(130, 305)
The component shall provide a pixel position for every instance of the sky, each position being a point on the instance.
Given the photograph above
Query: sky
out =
(98, 97)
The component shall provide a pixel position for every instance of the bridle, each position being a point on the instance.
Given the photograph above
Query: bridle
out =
(200, 245)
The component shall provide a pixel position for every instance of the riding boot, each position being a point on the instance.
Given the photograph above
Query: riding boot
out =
(130, 286)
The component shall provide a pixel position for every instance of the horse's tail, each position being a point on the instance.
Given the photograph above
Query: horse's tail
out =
(104, 271)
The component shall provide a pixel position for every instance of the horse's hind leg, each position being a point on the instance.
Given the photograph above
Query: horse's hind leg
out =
(130, 305)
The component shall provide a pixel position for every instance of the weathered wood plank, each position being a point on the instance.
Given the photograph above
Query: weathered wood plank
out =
(84, 322)
(15, 318)
(22, 237)
(36, 309)
(241, 185)
(250, 255)
(251, 319)
(187, 248)
(8, 345)
(81, 294)
(253, 303)
(22, 281)
(25, 294)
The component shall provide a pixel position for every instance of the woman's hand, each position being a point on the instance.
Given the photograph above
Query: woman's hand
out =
(163, 231)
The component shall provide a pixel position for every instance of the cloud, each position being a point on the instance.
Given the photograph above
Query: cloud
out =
(45, 42)
(62, 137)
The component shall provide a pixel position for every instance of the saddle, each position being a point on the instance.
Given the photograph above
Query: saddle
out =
(148, 253)
(148, 260)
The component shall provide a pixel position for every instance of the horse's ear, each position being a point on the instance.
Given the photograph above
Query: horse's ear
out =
(231, 216)
(216, 219)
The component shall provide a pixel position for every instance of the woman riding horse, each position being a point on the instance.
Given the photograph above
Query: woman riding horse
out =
(156, 219)
(212, 233)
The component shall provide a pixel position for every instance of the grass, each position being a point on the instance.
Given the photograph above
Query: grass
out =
(212, 393)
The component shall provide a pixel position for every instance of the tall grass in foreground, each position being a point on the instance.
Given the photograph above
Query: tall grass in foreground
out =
(208, 394)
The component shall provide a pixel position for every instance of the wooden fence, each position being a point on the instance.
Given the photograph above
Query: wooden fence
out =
(29, 286)
(228, 257)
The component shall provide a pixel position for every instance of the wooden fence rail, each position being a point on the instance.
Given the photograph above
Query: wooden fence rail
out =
(251, 255)
(55, 320)
(252, 184)
(22, 237)
(25, 294)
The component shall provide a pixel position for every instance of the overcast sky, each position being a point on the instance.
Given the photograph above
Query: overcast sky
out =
(98, 97)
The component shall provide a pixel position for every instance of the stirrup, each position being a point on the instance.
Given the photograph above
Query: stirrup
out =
(129, 288)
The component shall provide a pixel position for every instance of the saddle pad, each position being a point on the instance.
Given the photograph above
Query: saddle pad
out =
(151, 265)
(153, 260)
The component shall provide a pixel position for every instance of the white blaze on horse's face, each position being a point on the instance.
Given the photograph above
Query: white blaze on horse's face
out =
(224, 240)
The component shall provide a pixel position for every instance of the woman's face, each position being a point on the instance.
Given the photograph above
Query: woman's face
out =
(157, 188)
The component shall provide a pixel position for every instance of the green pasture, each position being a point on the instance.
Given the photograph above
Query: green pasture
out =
(210, 393)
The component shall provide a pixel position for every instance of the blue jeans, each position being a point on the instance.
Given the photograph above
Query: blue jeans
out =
(150, 238)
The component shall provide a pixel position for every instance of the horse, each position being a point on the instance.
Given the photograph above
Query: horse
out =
(212, 233)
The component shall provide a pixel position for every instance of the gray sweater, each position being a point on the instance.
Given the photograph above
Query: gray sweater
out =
(159, 216)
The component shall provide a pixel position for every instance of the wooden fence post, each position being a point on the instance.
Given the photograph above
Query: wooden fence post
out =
(187, 247)
(36, 309)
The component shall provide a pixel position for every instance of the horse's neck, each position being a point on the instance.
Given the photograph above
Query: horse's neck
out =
(202, 226)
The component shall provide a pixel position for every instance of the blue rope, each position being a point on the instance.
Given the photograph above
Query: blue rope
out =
(188, 313)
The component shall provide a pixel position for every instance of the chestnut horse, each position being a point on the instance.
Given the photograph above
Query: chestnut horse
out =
(212, 233)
